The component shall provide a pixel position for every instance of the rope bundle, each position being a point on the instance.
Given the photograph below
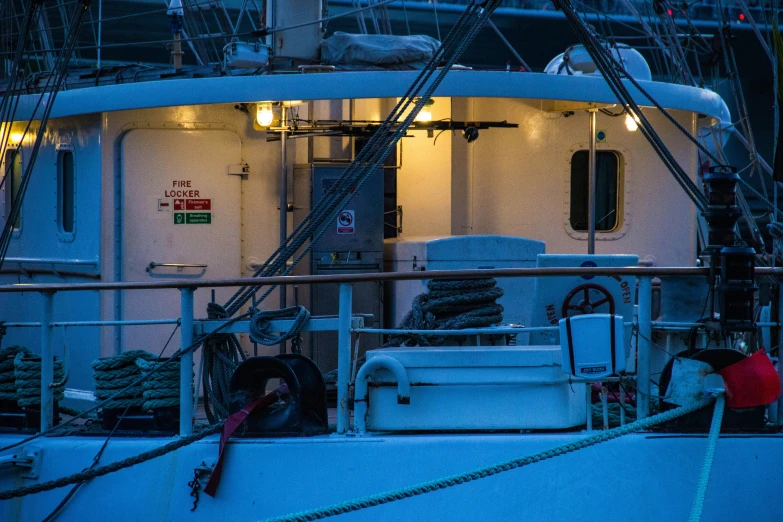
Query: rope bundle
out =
(261, 323)
(27, 378)
(161, 389)
(112, 374)
(221, 355)
(7, 378)
(450, 305)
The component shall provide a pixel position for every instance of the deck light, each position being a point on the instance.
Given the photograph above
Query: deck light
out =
(631, 122)
(264, 114)
(425, 114)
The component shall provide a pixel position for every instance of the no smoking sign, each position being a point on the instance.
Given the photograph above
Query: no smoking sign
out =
(346, 222)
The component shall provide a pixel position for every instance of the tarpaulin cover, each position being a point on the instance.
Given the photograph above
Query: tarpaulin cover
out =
(377, 49)
(751, 382)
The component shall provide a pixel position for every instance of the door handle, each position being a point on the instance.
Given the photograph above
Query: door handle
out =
(154, 265)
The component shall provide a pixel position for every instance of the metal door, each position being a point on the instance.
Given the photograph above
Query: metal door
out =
(180, 206)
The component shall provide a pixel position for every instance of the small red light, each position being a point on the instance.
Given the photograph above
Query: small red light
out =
(670, 12)
(742, 16)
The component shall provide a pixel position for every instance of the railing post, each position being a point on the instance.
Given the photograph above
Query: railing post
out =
(344, 355)
(779, 319)
(47, 362)
(645, 344)
(186, 363)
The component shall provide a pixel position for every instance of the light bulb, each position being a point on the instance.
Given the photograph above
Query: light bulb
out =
(425, 115)
(264, 114)
(16, 138)
(631, 122)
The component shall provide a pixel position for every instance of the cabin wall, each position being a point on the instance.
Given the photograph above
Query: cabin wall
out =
(47, 255)
(517, 181)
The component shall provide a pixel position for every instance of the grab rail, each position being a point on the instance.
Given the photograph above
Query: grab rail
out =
(346, 322)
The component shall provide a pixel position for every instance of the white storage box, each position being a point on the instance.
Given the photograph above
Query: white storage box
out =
(592, 345)
(476, 388)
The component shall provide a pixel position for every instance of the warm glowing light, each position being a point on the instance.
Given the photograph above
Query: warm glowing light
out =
(425, 114)
(16, 138)
(264, 114)
(631, 122)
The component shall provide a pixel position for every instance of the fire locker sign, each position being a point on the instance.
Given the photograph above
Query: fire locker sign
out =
(192, 211)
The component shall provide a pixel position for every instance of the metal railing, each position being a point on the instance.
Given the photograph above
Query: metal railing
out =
(346, 323)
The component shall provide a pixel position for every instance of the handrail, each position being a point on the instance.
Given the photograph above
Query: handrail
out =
(635, 271)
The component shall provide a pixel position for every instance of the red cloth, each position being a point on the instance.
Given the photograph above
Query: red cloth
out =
(230, 426)
(751, 382)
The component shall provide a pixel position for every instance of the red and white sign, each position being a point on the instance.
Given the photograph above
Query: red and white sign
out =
(179, 204)
(346, 222)
(198, 204)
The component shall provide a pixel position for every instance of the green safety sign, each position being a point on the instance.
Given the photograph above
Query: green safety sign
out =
(192, 218)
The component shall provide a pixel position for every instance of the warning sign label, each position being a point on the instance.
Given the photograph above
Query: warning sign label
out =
(187, 211)
(346, 222)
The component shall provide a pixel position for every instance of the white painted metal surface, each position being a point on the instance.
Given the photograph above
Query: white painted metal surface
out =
(470, 388)
(595, 344)
(184, 169)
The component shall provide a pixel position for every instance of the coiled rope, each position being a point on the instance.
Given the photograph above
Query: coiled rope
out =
(120, 373)
(161, 387)
(7, 378)
(450, 305)
(110, 468)
(488, 471)
(260, 324)
(221, 356)
(706, 468)
(27, 378)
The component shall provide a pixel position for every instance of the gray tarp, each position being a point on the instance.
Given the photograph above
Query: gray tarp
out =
(377, 49)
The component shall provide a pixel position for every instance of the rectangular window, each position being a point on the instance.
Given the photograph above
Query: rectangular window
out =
(66, 191)
(13, 173)
(607, 181)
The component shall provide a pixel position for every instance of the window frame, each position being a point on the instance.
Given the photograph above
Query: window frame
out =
(623, 193)
(8, 188)
(62, 234)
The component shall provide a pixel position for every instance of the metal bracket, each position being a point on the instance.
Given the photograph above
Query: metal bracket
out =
(29, 458)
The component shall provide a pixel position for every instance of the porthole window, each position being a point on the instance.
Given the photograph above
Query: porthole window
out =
(66, 192)
(12, 167)
(607, 191)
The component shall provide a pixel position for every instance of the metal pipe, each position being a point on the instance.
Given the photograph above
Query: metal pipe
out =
(508, 44)
(47, 362)
(100, 27)
(344, 355)
(186, 363)
(644, 343)
(283, 210)
(361, 390)
(633, 271)
(591, 186)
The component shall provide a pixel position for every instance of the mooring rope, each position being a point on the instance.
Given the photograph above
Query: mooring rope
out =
(706, 468)
(487, 471)
(221, 355)
(7, 377)
(161, 388)
(27, 378)
(450, 305)
(113, 374)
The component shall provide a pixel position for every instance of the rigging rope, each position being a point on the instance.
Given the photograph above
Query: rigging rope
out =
(488, 471)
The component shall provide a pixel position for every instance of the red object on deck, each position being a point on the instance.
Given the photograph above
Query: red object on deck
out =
(751, 382)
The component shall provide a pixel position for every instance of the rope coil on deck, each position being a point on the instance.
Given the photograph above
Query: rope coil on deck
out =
(450, 305)
(161, 388)
(27, 378)
(221, 355)
(112, 374)
(7, 378)
(488, 471)
(260, 324)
